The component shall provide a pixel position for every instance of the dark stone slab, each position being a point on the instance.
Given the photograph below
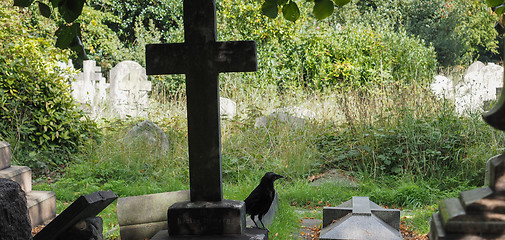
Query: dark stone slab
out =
(248, 234)
(14, 219)
(206, 218)
(84, 207)
(5, 155)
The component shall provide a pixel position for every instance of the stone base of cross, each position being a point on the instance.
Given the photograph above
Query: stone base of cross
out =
(201, 58)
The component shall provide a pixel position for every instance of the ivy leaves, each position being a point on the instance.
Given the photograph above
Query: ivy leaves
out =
(290, 11)
(69, 33)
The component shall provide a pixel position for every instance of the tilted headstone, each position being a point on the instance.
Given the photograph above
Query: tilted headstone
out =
(201, 58)
(478, 213)
(80, 212)
(14, 218)
(129, 89)
(360, 218)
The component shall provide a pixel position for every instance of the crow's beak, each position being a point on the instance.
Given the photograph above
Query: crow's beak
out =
(278, 176)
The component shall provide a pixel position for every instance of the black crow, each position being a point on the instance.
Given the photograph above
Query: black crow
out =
(259, 201)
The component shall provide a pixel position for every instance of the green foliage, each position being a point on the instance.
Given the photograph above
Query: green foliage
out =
(166, 15)
(38, 114)
(68, 34)
(459, 30)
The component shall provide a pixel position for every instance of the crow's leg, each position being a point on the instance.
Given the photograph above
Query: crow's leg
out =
(252, 218)
(260, 217)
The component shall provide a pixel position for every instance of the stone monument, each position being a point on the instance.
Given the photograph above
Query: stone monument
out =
(129, 89)
(360, 218)
(201, 58)
(89, 88)
(478, 213)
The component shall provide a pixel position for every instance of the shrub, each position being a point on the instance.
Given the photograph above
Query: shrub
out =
(38, 114)
(459, 30)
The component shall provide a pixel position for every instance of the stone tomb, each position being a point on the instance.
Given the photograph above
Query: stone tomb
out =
(41, 204)
(477, 213)
(78, 216)
(360, 218)
(201, 58)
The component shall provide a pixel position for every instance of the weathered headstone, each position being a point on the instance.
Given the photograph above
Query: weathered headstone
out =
(129, 89)
(78, 213)
(360, 218)
(480, 85)
(228, 108)
(201, 58)
(294, 116)
(14, 218)
(89, 88)
(147, 133)
(478, 213)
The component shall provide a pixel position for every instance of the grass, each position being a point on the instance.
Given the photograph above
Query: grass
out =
(351, 132)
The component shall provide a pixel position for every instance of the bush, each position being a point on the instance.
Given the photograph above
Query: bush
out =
(38, 114)
(460, 31)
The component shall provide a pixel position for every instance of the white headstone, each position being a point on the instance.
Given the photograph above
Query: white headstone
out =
(129, 89)
(295, 116)
(89, 87)
(479, 85)
(227, 108)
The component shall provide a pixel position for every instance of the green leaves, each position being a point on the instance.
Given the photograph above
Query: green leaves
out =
(70, 10)
(494, 3)
(44, 10)
(270, 8)
(323, 9)
(291, 12)
(66, 35)
(23, 3)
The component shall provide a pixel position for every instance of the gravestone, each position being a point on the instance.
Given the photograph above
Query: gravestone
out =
(480, 85)
(129, 89)
(81, 212)
(228, 108)
(360, 218)
(478, 213)
(89, 88)
(201, 58)
(147, 135)
(294, 116)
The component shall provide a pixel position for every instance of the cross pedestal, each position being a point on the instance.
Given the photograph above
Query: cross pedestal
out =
(201, 58)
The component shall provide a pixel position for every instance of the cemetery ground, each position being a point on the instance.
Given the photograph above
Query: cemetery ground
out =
(399, 145)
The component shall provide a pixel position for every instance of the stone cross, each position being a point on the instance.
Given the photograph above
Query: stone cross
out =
(201, 57)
